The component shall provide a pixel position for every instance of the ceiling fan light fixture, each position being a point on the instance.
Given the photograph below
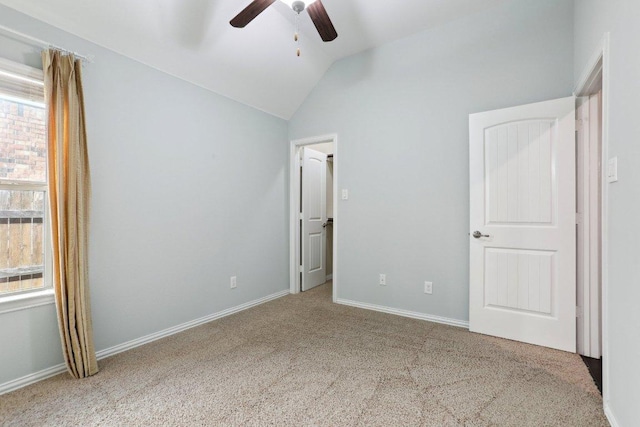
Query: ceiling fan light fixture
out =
(297, 5)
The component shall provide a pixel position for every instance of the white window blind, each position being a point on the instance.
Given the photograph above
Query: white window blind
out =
(21, 81)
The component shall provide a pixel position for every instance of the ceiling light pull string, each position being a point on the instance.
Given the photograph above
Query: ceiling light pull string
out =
(296, 36)
(297, 6)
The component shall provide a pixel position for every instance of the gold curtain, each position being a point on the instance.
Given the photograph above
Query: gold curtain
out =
(69, 198)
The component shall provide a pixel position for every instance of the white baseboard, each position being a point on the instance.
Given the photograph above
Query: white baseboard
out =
(32, 378)
(328, 277)
(610, 417)
(406, 313)
(183, 327)
(55, 370)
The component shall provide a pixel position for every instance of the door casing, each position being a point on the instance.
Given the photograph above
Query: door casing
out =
(598, 67)
(589, 174)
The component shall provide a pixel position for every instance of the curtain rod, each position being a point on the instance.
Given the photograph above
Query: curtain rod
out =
(16, 35)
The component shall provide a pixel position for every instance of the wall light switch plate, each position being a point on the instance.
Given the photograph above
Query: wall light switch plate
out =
(345, 194)
(612, 169)
(383, 279)
(233, 282)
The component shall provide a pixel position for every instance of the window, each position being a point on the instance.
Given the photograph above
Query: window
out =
(24, 241)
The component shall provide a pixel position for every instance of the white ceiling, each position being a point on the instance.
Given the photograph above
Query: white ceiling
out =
(256, 65)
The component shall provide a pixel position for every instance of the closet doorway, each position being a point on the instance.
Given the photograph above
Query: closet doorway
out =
(596, 172)
(313, 212)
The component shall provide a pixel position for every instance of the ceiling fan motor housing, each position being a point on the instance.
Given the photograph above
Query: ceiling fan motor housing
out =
(316, 10)
(297, 6)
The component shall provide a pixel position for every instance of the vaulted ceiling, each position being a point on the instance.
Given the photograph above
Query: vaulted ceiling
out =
(256, 65)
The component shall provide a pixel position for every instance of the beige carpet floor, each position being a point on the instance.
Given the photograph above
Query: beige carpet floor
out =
(303, 361)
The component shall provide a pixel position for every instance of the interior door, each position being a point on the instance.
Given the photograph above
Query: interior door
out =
(314, 218)
(523, 224)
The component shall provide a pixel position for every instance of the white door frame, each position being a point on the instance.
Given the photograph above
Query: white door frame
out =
(294, 203)
(596, 67)
(588, 152)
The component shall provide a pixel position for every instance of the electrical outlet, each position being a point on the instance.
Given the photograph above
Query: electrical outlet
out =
(428, 288)
(383, 279)
(233, 282)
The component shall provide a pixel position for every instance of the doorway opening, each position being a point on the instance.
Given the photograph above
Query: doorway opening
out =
(313, 213)
(591, 222)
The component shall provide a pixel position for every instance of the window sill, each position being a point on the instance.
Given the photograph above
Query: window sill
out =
(24, 301)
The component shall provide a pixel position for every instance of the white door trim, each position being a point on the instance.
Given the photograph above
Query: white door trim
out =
(294, 203)
(588, 291)
(585, 84)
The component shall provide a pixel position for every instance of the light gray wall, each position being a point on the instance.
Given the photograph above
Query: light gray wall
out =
(189, 188)
(401, 115)
(621, 18)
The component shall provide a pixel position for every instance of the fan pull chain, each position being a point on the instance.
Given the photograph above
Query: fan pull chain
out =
(295, 35)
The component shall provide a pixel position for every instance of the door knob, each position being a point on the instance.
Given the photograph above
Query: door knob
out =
(324, 225)
(478, 234)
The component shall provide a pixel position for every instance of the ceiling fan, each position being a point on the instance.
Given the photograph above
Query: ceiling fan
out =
(316, 10)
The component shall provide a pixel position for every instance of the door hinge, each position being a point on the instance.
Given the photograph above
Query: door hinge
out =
(578, 311)
(578, 218)
(300, 216)
(578, 124)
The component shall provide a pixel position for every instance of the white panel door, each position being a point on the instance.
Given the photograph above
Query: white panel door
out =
(314, 218)
(523, 228)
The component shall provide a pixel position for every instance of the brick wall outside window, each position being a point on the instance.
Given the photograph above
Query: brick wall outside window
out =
(22, 142)
(22, 158)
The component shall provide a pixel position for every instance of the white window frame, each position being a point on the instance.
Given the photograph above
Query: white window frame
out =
(21, 300)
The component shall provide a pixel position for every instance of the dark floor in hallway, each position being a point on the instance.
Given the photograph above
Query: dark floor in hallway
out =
(595, 369)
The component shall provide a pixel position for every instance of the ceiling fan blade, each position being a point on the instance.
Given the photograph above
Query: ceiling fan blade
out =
(321, 20)
(255, 8)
